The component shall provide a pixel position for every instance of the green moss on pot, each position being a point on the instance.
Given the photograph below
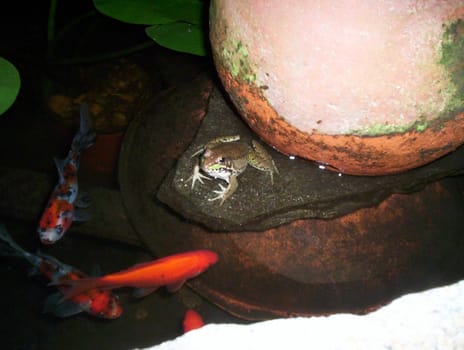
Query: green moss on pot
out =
(234, 56)
(452, 58)
(387, 129)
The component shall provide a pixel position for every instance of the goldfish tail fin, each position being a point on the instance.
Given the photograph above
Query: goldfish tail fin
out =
(54, 305)
(9, 246)
(85, 137)
(76, 287)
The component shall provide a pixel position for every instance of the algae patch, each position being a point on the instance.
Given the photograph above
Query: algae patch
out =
(387, 129)
(452, 58)
(235, 57)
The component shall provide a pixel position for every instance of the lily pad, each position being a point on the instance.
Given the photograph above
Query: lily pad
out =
(10, 83)
(179, 36)
(152, 11)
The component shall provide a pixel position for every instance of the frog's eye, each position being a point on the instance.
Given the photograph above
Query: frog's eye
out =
(222, 160)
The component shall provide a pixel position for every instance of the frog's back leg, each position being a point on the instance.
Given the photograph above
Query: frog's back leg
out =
(260, 159)
(214, 142)
(222, 139)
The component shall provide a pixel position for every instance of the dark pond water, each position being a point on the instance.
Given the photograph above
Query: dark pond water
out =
(28, 140)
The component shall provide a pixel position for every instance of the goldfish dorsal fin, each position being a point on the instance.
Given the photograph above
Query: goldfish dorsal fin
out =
(143, 264)
(59, 163)
(96, 271)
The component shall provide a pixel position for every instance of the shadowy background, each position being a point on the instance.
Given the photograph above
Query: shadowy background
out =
(29, 139)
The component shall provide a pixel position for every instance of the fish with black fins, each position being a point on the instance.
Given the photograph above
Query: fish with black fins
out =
(96, 302)
(66, 199)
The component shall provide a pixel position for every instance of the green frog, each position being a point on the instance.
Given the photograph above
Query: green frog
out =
(226, 158)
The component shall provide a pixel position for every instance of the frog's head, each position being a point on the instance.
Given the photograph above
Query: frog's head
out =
(216, 165)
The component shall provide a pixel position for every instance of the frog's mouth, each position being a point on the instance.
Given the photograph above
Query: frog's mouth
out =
(219, 172)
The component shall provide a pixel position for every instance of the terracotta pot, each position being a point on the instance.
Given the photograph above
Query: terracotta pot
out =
(349, 264)
(370, 88)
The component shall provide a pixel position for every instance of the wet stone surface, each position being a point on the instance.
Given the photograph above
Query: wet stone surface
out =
(301, 189)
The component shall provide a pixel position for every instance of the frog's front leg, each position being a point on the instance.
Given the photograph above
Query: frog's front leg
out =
(226, 192)
(197, 176)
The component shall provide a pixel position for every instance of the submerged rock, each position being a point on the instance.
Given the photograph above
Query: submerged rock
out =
(304, 268)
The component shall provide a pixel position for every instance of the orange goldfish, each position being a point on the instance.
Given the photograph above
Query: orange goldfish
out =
(61, 210)
(171, 271)
(192, 320)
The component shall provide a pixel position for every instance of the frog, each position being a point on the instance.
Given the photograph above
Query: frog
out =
(227, 157)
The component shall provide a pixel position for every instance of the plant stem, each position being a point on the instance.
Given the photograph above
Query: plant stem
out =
(103, 56)
(51, 21)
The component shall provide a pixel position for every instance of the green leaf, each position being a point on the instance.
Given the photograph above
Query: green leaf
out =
(9, 84)
(152, 11)
(184, 37)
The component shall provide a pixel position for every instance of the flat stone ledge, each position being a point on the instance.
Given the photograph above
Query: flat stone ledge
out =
(301, 190)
